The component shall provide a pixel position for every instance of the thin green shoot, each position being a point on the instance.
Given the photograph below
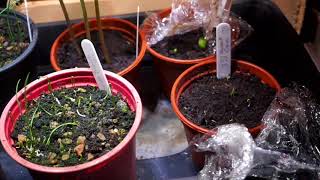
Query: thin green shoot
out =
(17, 99)
(45, 110)
(31, 124)
(62, 125)
(11, 36)
(202, 43)
(71, 32)
(101, 35)
(85, 19)
(25, 90)
(49, 86)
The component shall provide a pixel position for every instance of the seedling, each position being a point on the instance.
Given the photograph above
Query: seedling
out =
(233, 92)
(202, 43)
(62, 125)
(85, 19)
(71, 33)
(101, 35)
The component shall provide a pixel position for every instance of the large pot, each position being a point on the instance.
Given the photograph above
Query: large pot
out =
(119, 163)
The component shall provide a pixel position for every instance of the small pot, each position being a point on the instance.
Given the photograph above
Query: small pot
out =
(119, 163)
(21, 66)
(125, 27)
(169, 69)
(200, 70)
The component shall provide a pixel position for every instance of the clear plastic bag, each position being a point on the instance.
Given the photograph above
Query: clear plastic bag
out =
(188, 15)
(288, 146)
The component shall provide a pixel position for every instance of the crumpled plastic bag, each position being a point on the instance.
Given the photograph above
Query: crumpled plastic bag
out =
(288, 146)
(188, 15)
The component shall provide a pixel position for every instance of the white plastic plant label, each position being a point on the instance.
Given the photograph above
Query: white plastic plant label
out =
(95, 65)
(223, 50)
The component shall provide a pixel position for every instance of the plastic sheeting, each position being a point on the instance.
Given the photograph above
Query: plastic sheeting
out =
(287, 147)
(188, 15)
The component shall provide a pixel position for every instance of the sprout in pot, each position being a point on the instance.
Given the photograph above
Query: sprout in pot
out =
(71, 126)
(187, 31)
(209, 97)
(14, 37)
(114, 40)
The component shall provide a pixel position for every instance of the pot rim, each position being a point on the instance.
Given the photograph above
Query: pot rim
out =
(60, 38)
(176, 94)
(106, 157)
(31, 46)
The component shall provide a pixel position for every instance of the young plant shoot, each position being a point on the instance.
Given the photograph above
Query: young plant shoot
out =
(85, 19)
(101, 35)
(71, 33)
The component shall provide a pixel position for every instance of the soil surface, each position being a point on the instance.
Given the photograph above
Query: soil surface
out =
(184, 46)
(122, 52)
(72, 126)
(14, 40)
(210, 102)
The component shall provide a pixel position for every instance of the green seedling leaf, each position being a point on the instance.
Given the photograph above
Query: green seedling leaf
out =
(202, 43)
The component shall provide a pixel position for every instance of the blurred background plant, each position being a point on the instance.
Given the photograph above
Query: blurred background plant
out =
(13, 33)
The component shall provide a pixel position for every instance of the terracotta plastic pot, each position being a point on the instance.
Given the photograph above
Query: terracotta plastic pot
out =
(123, 26)
(200, 70)
(119, 163)
(168, 69)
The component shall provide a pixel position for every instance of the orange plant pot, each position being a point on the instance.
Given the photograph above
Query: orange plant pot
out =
(168, 69)
(125, 27)
(200, 70)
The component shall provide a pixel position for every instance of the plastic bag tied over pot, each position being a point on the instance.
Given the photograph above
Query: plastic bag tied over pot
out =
(287, 147)
(188, 15)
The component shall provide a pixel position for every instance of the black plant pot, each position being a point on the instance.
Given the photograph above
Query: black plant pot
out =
(20, 67)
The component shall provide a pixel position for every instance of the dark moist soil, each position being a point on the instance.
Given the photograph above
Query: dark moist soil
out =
(122, 52)
(96, 124)
(12, 44)
(210, 102)
(184, 46)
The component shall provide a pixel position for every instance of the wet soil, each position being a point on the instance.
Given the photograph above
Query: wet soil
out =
(210, 102)
(184, 46)
(72, 126)
(122, 51)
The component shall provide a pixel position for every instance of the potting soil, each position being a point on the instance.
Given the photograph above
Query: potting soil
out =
(210, 102)
(122, 51)
(72, 126)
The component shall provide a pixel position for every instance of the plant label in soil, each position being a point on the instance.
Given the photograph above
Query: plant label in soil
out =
(223, 50)
(94, 63)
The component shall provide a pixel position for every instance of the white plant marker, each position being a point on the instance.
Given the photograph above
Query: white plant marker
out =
(95, 65)
(28, 20)
(137, 35)
(223, 38)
